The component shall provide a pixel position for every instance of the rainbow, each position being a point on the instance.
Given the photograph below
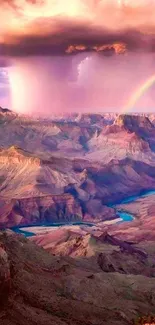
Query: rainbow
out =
(138, 93)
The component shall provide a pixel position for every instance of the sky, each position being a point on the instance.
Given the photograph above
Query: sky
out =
(61, 56)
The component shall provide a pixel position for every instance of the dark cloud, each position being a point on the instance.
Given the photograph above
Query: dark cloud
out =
(95, 24)
(58, 43)
(34, 41)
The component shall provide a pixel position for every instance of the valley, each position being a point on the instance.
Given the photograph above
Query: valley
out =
(81, 188)
(107, 280)
(138, 207)
(43, 183)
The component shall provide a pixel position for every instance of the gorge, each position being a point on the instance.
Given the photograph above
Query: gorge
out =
(81, 189)
(124, 216)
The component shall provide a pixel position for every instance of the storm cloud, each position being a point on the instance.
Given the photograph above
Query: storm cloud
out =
(32, 27)
(80, 55)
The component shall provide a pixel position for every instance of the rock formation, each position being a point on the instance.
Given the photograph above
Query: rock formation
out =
(39, 287)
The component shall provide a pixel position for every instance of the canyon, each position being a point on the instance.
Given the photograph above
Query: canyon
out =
(72, 168)
(81, 188)
(115, 286)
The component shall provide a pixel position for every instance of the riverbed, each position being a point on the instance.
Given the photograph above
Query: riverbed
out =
(30, 231)
(124, 216)
(128, 214)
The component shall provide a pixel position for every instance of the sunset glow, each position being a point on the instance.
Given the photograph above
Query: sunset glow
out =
(21, 17)
(76, 55)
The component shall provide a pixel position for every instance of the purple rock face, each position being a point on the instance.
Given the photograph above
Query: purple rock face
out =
(5, 277)
(69, 169)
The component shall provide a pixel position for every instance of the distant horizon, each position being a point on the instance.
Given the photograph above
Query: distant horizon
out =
(76, 113)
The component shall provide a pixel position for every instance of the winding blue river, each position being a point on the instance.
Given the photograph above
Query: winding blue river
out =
(22, 232)
(126, 217)
(30, 234)
(133, 198)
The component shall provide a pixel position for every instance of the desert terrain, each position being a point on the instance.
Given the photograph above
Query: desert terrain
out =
(82, 189)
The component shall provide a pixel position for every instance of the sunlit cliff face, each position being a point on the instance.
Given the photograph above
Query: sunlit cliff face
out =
(76, 55)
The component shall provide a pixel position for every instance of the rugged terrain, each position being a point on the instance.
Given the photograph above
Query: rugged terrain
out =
(37, 287)
(34, 190)
(143, 227)
(70, 168)
(101, 136)
(76, 169)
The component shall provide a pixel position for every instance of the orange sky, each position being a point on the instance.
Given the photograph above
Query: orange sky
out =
(47, 29)
(22, 18)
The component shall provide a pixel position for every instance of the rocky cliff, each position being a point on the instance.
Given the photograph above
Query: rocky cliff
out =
(81, 161)
(36, 190)
(40, 210)
(38, 287)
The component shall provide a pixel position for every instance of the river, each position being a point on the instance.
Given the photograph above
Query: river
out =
(59, 224)
(126, 217)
